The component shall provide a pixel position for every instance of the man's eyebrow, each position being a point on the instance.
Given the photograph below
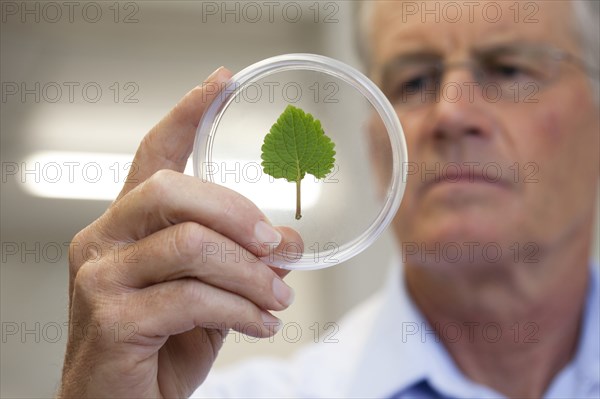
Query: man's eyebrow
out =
(419, 55)
(499, 47)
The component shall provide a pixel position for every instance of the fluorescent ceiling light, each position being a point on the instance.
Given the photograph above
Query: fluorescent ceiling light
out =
(74, 175)
(100, 176)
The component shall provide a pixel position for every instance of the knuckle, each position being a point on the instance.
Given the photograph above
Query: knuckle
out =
(82, 248)
(98, 276)
(86, 279)
(156, 186)
(260, 278)
(235, 206)
(75, 258)
(187, 240)
(194, 292)
(164, 175)
(242, 309)
(231, 204)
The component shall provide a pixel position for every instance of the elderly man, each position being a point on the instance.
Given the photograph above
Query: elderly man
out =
(519, 322)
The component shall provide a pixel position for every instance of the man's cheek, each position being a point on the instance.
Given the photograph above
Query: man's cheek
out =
(553, 128)
(539, 136)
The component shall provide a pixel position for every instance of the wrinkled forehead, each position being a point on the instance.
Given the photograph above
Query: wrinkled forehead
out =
(451, 27)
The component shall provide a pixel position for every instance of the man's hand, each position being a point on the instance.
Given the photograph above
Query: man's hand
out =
(149, 304)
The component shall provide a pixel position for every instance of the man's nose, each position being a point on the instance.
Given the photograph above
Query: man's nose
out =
(460, 111)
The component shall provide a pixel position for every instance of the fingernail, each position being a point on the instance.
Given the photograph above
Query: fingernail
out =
(283, 292)
(266, 234)
(212, 76)
(271, 322)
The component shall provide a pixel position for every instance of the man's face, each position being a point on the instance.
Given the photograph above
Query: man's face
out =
(520, 170)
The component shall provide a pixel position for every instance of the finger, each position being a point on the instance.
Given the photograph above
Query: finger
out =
(187, 361)
(190, 250)
(291, 244)
(169, 198)
(169, 144)
(289, 251)
(175, 307)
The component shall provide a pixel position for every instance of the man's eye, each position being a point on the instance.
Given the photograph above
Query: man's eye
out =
(412, 86)
(508, 71)
(415, 84)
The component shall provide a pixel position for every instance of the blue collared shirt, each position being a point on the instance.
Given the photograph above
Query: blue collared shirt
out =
(385, 349)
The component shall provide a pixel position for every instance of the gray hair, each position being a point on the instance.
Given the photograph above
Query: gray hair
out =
(586, 26)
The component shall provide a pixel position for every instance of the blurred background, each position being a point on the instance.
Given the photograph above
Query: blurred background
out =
(83, 82)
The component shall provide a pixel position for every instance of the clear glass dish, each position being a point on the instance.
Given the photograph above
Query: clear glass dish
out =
(347, 210)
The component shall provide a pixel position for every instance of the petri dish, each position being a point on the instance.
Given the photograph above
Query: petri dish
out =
(343, 213)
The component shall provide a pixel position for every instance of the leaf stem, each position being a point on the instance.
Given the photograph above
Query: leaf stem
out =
(298, 206)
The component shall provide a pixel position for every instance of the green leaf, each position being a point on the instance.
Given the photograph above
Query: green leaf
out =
(295, 146)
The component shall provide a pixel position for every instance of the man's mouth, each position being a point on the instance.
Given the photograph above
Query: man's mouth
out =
(464, 179)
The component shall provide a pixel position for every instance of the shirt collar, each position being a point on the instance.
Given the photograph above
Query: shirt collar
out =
(402, 350)
(387, 363)
(582, 374)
